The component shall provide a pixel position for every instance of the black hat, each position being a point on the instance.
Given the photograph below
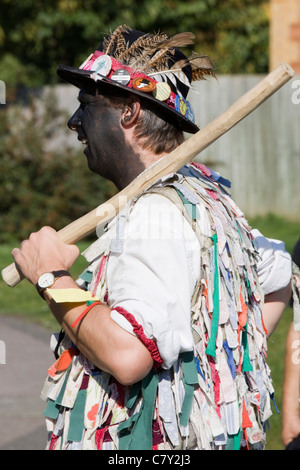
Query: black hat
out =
(149, 65)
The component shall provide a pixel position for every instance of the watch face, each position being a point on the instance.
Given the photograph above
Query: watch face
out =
(46, 280)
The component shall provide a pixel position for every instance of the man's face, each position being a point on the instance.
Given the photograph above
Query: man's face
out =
(97, 124)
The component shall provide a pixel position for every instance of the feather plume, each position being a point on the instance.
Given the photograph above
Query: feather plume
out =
(163, 48)
(201, 66)
(179, 40)
(120, 44)
(201, 75)
(151, 53)
(109, 42)
(180, 64)
(201, 61)
(141, 48)
(160, 59)
(172, 75)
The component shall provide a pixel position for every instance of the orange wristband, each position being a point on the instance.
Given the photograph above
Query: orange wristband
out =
(82, 315)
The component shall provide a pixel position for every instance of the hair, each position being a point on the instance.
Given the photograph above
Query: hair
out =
(154, 131)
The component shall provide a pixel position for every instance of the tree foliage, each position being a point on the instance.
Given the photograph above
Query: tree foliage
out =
(38, 186)
(36, 36)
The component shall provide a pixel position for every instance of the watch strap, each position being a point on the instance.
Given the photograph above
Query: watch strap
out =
(61, 273)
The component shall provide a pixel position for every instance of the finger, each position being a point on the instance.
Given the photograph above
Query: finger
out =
(48, 230)
(74, 252)
(24, 243)
(15, 252)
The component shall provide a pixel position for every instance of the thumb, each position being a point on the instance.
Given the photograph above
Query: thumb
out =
(72, 252)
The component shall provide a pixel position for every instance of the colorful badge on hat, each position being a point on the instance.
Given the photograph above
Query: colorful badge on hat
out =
(189, 112)
(121, 76)
(180, 105)
(162, 91)
(144, 84)
(101, 66)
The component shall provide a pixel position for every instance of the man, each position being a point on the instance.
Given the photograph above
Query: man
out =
(163, 343)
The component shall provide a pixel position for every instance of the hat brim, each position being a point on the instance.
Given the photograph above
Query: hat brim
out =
(82, 79)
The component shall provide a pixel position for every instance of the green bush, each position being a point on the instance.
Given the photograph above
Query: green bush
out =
(37, 186)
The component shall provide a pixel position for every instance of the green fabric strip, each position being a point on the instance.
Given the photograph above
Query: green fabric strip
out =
(246, 366)
(136, 432)
(86, 276)
(63, 388)
(187, 404)
(52, 408)
(134, 392)
(191, 208)
(234, 441)
(190, 378)
(77, 417)
(189, 367)
(211, 347)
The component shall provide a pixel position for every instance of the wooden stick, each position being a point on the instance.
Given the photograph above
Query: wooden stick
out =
(171, 163)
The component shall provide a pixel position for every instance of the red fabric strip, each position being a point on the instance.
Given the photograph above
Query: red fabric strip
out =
(100, 434)
(100, 274)
(217, 383)
(138, 330)
(53, 442)
(246, 422)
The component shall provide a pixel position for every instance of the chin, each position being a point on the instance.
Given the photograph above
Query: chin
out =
(89, 159)
(96, 165)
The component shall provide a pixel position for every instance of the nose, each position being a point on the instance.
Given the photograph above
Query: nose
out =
(75, 121)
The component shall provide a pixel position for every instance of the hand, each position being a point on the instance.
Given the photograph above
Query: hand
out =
(44, 251)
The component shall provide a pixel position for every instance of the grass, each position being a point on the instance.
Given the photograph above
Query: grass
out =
(23, 300)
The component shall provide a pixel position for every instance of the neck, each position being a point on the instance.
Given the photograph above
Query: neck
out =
(134, 163)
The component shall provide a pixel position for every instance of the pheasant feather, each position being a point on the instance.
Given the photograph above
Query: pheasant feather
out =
(110, 41)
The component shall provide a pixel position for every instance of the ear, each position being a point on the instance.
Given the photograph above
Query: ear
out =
(131, 113)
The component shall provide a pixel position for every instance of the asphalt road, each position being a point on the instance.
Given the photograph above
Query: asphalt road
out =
(25, 357)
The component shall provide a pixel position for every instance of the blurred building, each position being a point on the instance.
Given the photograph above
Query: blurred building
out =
(285, 33)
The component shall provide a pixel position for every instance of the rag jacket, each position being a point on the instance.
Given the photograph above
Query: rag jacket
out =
(214, 391)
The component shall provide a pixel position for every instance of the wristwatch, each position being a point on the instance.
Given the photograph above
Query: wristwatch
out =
(47, 280)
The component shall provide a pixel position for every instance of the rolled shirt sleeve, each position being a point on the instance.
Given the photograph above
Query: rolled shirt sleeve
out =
(275, 264)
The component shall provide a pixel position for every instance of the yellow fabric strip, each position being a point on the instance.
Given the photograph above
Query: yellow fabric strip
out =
(71, 295)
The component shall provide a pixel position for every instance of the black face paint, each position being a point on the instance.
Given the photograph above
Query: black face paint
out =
(108, 153)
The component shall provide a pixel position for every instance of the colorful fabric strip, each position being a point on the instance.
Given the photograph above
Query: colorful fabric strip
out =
(136, 432)
(210, 350)
(76, 426)
(190, 378)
